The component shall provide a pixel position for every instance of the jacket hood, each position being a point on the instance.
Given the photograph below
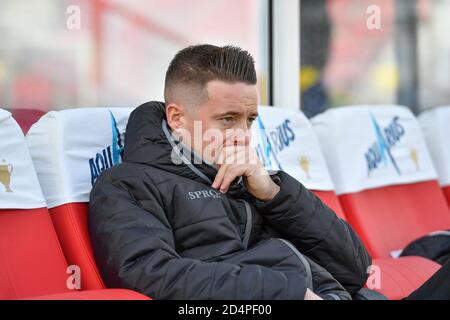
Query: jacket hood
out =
(149, 140)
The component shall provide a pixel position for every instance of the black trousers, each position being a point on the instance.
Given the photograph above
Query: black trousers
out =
(436, 288)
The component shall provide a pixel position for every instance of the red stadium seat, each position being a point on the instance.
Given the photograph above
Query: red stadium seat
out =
(32, 264)
(383, 174)
(31, 260)
(436, 130)
(70, 149)
(391, 217)
(398, 277)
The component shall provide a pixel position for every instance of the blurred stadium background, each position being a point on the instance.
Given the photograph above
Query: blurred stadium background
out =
(120, 53)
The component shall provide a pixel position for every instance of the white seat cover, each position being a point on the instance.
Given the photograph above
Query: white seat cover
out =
(373, 146)
(19, 186)
(71, 148)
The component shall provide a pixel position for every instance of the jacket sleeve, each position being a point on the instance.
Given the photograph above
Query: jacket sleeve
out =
(302, 218)
(135, 249)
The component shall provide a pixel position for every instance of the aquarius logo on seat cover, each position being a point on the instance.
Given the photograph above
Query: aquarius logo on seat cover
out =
(109, 156)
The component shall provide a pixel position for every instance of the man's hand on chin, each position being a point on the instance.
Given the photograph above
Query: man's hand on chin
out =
(235, 161)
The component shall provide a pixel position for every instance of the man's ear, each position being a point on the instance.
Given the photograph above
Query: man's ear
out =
(175, 115)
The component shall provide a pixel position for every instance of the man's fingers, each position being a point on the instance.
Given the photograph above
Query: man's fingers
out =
(231, 174)
(225, 176)
(219, 176)
(234, 161)
(235, 168)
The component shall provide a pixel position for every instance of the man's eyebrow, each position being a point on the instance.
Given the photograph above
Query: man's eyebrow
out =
(234, 113)
(228, 113)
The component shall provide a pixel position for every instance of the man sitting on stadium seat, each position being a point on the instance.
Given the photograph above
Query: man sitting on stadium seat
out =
(192, 214)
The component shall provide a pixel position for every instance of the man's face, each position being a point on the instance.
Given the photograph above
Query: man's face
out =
(224, 119)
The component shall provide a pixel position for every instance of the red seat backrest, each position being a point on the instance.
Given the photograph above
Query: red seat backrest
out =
(70, 149)
(70, 221)
(31, 259)
(447, 193)
(389, 218)
(383, 175)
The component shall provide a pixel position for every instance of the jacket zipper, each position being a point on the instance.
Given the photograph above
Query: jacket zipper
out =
(309, 280)
(248, 225)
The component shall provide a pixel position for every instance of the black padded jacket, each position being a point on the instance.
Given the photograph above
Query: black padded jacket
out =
(160, 228)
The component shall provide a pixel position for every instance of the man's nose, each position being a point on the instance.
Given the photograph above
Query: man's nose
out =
(241, 137)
